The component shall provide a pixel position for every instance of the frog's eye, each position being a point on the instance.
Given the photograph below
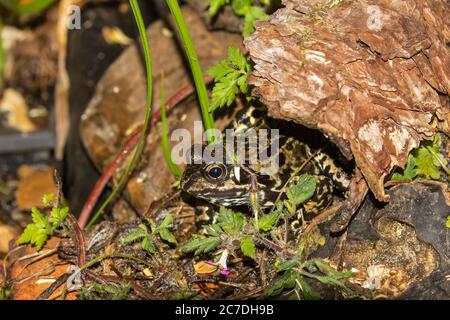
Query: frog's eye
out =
(216, 171)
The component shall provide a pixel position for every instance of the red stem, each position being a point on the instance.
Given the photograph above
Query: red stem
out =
(182, 94)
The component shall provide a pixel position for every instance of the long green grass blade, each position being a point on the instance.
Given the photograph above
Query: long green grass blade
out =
(148, 65)
(176, 171)
(196, 70)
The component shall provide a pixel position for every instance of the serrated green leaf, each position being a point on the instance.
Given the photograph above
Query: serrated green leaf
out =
(285, 281)
(231, 222)
(252, 15)
(201, 244)
(215, 6)
(268, 221)
(308, 292)
(230, 77)
(289, 264)
(302, 190)
(136, 234)
(248, 248)
(34, 235)
(47, 199)
(213, 230)
(224, 92)
(410, 171)
(325, 268)
(167, 236)
(39, 219)
(240, 6)
(57, 216)
(167, 222)
(426, 165)
(147, 245)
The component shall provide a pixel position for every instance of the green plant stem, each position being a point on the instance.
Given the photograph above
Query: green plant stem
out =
(194, 63)
(148, 65)
(176, 171)
(113, 255)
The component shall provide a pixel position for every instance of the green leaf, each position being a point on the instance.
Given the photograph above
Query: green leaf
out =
(252, 14)
(168, 236)
(230, 77)
(285, 281)
(47, 199)
(308, 293)
(302, 190)
(231, 222)
(241, 6)
(447, 223)
(224, 92)
(26, 7)
(268, 221)
(200, 244)
(289, 264)
(134, 235)
(34, 6)
(58, 215)
(248, 248)
(167, 222)
(425, 161)
(215, 6)
(37, 232)
(213, 230)
(409, 173)
(147, 245)
(325, 267)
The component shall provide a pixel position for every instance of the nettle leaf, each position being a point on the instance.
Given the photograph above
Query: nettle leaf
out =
(167, 222)
(213, 230)
(308, 292)
(289, 264)
(325, 267)
(167, 236)
(268, 221)
(163, 229)
(302, 190)
(231, 222)
(148, 245)
(200, 244)
(136, 234)
(215, 6)
(230, 77)
(285, 281)
(248, 248)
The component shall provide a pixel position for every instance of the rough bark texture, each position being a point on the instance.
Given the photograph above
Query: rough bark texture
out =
(373, 76)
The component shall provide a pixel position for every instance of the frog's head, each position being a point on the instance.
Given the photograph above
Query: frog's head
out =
(218, 182)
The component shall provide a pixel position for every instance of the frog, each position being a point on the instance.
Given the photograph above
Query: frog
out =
(230, 184)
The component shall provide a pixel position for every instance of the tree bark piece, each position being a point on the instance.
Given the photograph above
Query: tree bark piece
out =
(373, 76)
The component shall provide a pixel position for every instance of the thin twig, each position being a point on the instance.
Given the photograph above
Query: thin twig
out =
(53, 287)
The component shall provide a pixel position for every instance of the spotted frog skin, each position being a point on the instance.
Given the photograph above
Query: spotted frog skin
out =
(229, 185)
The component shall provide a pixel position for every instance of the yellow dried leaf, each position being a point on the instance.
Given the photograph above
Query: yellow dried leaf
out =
(204, 267)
